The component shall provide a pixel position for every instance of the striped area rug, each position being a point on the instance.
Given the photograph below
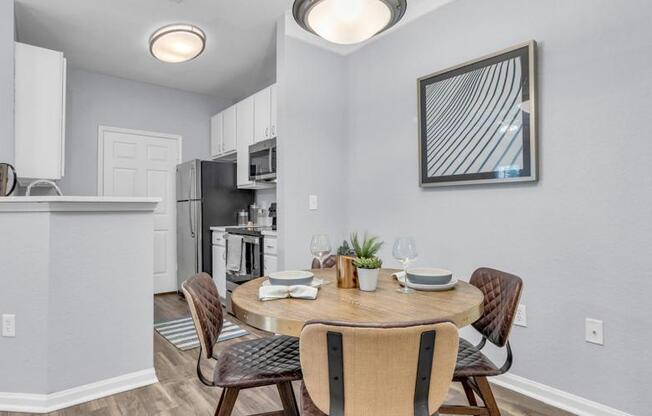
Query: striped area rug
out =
(181, 332)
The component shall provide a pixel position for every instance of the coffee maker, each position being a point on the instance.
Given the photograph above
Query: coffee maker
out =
(272, 213)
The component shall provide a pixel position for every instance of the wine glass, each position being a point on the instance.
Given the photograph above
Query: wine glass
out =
(405, 251)
(320, 247)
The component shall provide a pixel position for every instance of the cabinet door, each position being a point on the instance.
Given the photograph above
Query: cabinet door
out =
(245, 132)
(274, 111)
(270, 264)
(216, 134)
(39, 117)
(219, 269)
(229, 139)
(263, 113)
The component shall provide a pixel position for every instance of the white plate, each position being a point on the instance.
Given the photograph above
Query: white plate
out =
(427, 288)
(292, 277)
(316, 282)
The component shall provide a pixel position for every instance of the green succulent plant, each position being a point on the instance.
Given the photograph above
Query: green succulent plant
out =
(368, 263)
(369, 247)
(345, 250)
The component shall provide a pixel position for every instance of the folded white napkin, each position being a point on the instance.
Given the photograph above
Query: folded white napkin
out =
(281, 292)
(398, 275)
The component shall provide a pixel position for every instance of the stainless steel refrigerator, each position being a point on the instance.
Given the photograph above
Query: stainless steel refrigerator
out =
(207, 196)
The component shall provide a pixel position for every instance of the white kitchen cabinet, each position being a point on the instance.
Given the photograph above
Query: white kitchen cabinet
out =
(219, 263)
(263, 115)
(270, 254)
(245, 130)
(274, 110)
(40, 113)
(224, 134)
(229, 139)
(270, 264)
(217, 134)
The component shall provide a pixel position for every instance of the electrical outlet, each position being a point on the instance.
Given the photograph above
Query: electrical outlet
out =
(594, 331)
(521, 316)
(313, 202)
(8, 325)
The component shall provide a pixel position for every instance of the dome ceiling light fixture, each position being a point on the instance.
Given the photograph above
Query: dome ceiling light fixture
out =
(177, 43)
(348, 21)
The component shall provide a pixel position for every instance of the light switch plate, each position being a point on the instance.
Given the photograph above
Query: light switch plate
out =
(521, 316)
(313, 203)
(8, 325)
(594, 331)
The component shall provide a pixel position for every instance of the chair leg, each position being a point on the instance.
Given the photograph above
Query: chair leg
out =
(487, 396)
(470, 395)
(287, 398)
(227, 402)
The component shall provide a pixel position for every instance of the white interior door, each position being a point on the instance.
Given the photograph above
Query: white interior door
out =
(143, 164)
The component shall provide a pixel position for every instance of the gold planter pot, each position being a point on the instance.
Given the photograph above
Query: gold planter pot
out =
(347, 273)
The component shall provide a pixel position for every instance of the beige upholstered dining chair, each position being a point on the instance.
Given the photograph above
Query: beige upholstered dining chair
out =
(502, 292)
(242, 365)
(376, 370)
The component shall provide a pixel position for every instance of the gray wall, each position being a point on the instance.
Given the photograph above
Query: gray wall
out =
(95, 99)
(580, 237)
(7, 81)
(312, 139)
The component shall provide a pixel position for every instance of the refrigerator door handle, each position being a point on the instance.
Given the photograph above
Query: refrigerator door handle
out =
(192, 226)
(192, 184)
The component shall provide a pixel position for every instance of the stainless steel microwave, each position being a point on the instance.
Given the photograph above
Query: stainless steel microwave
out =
(262, 161)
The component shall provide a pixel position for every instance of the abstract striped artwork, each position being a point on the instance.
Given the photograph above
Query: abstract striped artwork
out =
(477, 121)
(182, 334)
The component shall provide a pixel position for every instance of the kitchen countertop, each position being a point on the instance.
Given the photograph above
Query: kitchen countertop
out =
(222, 228)
(76, 203)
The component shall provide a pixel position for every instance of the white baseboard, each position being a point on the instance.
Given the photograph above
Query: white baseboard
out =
(554, 397)
(45, 403)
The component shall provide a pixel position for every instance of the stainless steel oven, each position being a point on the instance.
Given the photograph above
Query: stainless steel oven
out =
(262, 161)
(251, 260)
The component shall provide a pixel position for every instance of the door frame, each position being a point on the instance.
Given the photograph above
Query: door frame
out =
(102, 129)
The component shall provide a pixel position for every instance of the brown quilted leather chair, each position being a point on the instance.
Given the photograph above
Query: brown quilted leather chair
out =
(328, 263)
(256, 363)
(502, 292)
(379, 370)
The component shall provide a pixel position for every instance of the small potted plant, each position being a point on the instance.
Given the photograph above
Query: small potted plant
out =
(367, 264)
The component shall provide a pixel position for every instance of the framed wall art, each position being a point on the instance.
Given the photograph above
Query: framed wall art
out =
(477, 121)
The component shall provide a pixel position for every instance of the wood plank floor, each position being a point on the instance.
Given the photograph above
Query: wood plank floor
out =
(179, 392)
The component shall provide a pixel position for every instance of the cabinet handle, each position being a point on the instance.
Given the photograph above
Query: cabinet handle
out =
(273, 130)
(266, 131)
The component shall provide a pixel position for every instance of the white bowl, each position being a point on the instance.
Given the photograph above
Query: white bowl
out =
(429, 276)
(291, 278)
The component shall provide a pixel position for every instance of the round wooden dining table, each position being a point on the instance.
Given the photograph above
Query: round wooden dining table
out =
(461, 305)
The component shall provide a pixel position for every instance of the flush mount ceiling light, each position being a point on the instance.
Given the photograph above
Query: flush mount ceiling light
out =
(348, 21)
(177, 43)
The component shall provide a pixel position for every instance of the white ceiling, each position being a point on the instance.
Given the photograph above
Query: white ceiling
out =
(111, 37)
